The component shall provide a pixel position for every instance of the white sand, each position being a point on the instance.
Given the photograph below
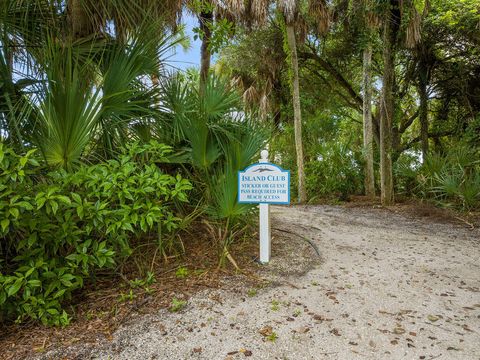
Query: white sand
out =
(386, 287)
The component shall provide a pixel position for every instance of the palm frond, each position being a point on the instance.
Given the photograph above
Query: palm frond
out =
(321, 15)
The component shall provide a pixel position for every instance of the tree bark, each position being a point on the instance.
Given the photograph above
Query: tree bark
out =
(367, 122)
(387, 110)
(423, 113)
(297, 113)
(206, 19)
(79, 23)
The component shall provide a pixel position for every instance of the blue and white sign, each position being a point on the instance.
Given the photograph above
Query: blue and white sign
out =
(264, 183)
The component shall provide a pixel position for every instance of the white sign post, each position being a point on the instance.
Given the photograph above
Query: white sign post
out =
(264, 183)
(265, 234)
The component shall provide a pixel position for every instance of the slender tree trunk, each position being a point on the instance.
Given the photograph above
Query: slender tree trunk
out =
(205, 19)
(387, 112)
(367, 122)
(297, 113)
(79, 24)
(423, 113)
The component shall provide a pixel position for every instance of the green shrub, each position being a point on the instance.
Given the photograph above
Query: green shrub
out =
(451, 179)
(406, 170)
(222, 139)
(336, 171)
(57, 229)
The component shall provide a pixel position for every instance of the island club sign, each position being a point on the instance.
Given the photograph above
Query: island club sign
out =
(264, 183)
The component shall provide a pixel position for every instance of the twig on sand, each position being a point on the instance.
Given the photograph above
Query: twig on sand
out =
(291, 285)
(438, 326)
(472, 227)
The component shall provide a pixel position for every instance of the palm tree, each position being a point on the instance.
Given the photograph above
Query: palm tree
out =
(94, 17)
(240, 12)
(367, 122)
(290, 12)
(391, 29)
(205, 18)
(425, 57)
(394, 11)
(370, 23)
(297, 111)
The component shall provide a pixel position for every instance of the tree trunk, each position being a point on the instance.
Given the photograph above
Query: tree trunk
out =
(367, 122)
(79, 23)
(387, 112)
(423, 113)
(205, 19)
(297, 113)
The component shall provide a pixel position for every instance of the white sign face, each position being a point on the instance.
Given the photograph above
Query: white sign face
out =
(264, 183)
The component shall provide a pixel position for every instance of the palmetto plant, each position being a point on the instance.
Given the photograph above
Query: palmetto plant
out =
(452, 178)
(75, 76)
(92, 95)
(221, 140)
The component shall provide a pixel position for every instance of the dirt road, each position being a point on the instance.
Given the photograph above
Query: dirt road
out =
(384, 287)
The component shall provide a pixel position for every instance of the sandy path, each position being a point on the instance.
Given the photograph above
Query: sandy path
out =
(386, 287)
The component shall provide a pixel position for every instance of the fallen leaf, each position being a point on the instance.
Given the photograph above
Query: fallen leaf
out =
(412, 333)
(385, 312)
(302, 330)
(320, 318)
(335, 332)
(399, 331)
(266, 331)
(197, 350)
(247, 353)
(394, 342)
(432, 318)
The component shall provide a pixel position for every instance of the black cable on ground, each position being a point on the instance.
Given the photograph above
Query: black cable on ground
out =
(312, 244)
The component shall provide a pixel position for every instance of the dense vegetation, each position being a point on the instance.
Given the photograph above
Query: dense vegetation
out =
(105, 149)
(390, 105)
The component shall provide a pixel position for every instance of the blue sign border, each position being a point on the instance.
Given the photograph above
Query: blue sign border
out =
(262, 202)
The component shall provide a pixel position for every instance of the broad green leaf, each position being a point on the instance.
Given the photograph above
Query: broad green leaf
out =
(12, 290)
(4, 223)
